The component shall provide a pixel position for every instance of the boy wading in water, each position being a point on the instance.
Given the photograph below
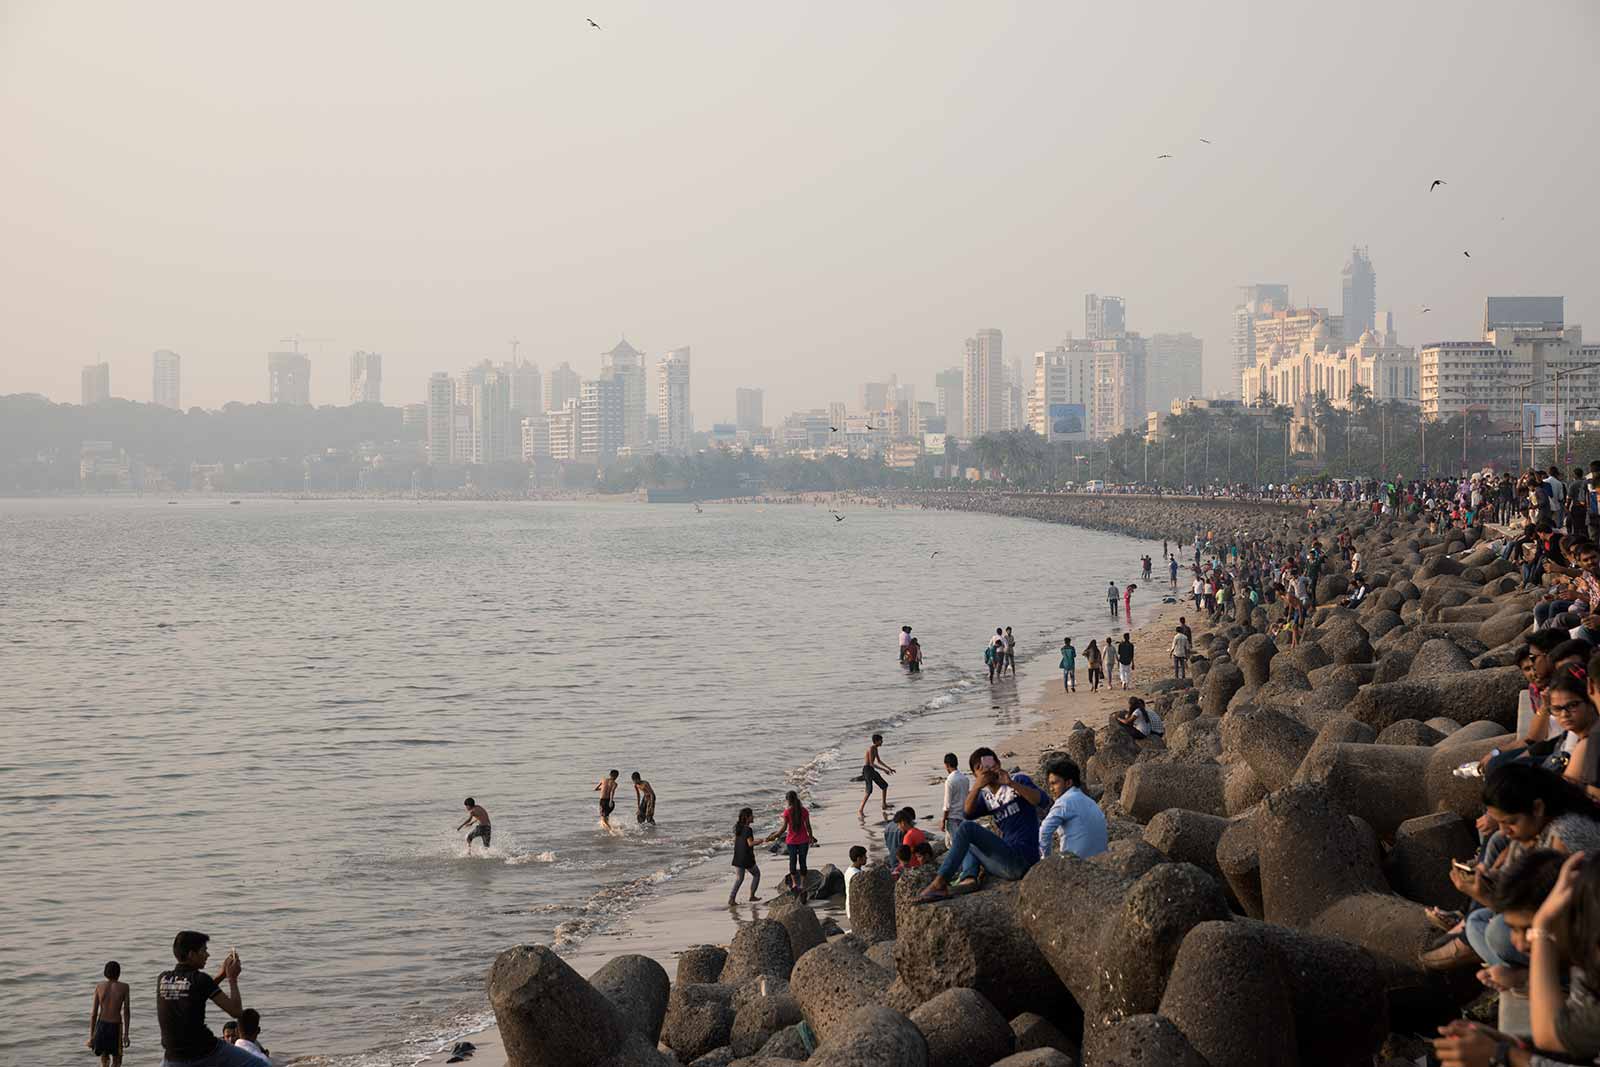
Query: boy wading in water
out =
(869, 774)
(645, 798)
(476, 813)
(607, 788)
(109, 1018)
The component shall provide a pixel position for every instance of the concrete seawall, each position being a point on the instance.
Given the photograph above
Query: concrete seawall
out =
(1173, 517)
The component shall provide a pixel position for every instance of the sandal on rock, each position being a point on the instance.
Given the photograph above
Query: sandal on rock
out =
(931, 895)
(1452, 955)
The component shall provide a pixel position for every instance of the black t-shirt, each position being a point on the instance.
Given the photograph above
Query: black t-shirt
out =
(181, 996)
(1124, 651)
(744, 847)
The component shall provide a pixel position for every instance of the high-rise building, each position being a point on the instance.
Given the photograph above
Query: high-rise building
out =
(461, 432)
(165, 379)
(414, 415)
(366, 378)
(874, 396)
(564, 385)
(535, 436)
(672, 402)
(1259, 300)
(947, 389)
(600, 419)
(984, 396)
(1320, 362)
(288, 378)
(1172, 368)
(903, 406)
(527, 392)
(1104, 316)
(96, 383)
(625, 364)
(563, 423)
(441, 418)
(1360, 307)
(1065, 375)
(1119, 386)
(747, 405)
(1529, 355)
(837, 411)
(493, 439)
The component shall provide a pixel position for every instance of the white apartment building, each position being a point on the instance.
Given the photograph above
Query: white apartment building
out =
(1259, 301)
(1320, 362)
(165, 379)
(535, 437)
(1118, 402)
(984, 395)
(563, 427)
(672, 402)
(600, 419)
(1063, 375)
(1528, 355)
(1172, 367)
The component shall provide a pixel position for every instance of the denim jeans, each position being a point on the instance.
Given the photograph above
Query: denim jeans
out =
(1490, 938)
(755, 882)
(972, 845)
(797, 858)
(1543, 613)
(224, 1055)
(891, 840)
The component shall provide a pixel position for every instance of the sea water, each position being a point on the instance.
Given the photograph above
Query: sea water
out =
(259, 721)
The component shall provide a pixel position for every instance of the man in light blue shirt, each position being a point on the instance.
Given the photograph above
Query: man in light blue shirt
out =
(1081, 822)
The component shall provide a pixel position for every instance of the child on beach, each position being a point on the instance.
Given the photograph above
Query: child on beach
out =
(476, 813)
(869, 774)
(797, 836)
(645, 797)
(108, 1019)
(744, 856)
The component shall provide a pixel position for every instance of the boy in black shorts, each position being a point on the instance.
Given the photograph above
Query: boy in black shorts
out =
(870, 775)
(480, 832)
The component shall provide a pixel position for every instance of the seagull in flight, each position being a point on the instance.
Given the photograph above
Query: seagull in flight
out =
(595, 24)
(935, 552)
(834, 429)
(1426, 310)
(1204, 141)
(872, 427)
(1436, 183)
(836, 516)
(1165, 155)
(1467, 254)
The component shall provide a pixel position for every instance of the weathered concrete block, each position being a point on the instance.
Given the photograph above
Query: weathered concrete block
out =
(699, 1019)
(638, 987)
(831, 983)
(760, 947)
(963, 1030)
(1151, 788)
(549, 1016)
(871, 907)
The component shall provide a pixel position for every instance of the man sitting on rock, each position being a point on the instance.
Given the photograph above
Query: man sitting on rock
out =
(1080, 821)
(1013, 800)
(1358, 594)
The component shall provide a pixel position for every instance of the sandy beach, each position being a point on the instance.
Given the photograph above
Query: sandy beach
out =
(697, 911)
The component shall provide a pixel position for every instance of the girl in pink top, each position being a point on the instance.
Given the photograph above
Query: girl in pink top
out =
(796, 831)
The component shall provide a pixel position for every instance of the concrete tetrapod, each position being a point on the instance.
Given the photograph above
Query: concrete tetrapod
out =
(963, 1030)
(871, 904)
(873, 1036)
(639, 988)
(549, 1016)
(831, 983)
(699, 1019)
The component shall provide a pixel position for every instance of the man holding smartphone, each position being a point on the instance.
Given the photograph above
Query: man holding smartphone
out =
(1013, 800)
(181, 996)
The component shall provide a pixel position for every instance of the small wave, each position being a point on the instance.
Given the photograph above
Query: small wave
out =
(531, 857)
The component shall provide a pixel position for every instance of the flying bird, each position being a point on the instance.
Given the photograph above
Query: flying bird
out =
(1426, 310)
(1467, 254)
(935, 552)
(836, 516)
(835, 429)
(1436, 183)
(872, 427)
(1165, 155)
(1204, 141)
(595, 24)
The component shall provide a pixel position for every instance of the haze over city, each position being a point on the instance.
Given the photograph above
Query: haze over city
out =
(808, 199)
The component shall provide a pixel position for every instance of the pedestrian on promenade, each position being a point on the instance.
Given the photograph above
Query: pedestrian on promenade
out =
(1069, 666)
(1125, 661)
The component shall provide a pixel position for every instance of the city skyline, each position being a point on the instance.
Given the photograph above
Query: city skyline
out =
(789, 260)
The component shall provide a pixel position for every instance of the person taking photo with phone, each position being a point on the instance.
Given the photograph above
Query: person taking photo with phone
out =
(1013, 800)
(181, 996)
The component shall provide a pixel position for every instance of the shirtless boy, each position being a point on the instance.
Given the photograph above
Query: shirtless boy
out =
(645, 798)
(475, 813)
(108, 1019)
(607, 788)
(869, 774)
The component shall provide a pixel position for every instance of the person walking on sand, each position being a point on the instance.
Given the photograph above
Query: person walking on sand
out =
(1093, 658)
(477, 814)
(644, 798)
(607, 788)
(1125, 661)
(1164, 553)
(1011, 650)
(1172, 571)
(869, 774)
(1127, 600)
(744, 856)
(1111, 596)
(110, 1017)
(797, 839)
(1180, 654)
(1069, 666)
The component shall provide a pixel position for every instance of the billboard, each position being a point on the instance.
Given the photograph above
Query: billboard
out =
(933, 444)
(1540, 424)
(1068, 422)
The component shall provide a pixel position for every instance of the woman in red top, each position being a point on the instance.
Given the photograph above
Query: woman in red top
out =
(796, 831)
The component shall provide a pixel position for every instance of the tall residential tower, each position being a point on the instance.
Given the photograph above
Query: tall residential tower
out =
(164, 379)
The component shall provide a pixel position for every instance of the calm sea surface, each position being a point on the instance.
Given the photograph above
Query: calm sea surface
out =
(259, 721)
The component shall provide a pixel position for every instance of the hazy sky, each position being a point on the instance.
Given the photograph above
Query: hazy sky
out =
(809, 194)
